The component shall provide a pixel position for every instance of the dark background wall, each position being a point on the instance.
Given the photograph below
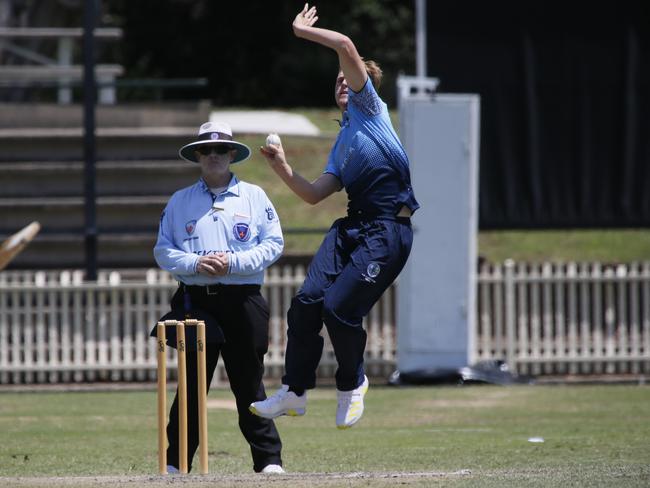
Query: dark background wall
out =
(565, 100)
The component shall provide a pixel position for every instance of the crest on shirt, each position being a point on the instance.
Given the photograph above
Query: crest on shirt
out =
(270, 214)
(242, 232)
(190, 226)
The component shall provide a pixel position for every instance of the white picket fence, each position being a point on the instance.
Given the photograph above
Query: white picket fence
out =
(55, 328)
(573, 318)
(542, 319)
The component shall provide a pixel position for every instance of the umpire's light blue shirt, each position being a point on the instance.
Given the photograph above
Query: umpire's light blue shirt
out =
(368, 158)
(240, 221)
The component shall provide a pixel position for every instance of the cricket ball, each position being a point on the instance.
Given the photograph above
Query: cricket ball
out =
(273, 139)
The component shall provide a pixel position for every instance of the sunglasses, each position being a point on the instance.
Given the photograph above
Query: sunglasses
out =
(219, 149)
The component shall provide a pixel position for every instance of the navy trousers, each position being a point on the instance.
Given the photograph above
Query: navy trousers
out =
(357, 261)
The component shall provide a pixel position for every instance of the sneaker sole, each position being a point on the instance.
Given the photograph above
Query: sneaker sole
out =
(349, 426)
(292, 412)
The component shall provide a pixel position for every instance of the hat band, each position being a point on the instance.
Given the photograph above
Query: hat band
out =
(215, 136)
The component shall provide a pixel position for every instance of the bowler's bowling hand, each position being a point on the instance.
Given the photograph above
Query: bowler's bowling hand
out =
(305, 18)
(273, 154)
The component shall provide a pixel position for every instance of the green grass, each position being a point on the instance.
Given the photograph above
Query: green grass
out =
(309, 155)
(594, 436)
(614, 245)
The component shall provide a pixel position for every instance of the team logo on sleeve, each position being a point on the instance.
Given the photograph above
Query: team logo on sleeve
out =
(270, 214)
(242, 232)
(190, 226)
(372, 271)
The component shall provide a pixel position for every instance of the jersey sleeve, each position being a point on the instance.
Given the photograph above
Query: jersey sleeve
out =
(365, 103)
(169, 256)
(331, 166)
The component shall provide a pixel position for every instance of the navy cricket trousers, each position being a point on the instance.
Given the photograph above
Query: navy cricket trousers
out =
(357, 261)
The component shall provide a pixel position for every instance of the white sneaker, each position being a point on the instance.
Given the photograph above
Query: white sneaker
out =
(273, 469)
(283, 402)
(350, 405)
(172, 469)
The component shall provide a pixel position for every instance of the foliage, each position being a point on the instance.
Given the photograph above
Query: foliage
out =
(249, 53)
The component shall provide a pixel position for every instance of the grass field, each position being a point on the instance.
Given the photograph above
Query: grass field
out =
(308, 156)
(433, 436)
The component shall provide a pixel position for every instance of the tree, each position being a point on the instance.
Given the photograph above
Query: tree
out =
(249, 53)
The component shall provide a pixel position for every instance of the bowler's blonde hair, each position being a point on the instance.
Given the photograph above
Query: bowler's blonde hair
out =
(373, 70)
(375, 73)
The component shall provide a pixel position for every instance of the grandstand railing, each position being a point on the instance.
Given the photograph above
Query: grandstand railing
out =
(44, 69)
(585, 318)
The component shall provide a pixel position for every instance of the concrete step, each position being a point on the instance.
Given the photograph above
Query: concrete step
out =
(115, 143)
(64, 213)
(66, 250)
(112, 143)
(55, 116)
(114, 178)
(42, 176)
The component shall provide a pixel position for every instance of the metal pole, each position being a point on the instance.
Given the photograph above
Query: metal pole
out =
(90, 95)
(421, 38)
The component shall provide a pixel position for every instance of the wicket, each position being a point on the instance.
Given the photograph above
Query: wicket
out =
(182, 394)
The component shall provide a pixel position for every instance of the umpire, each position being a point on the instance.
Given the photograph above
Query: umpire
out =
(216, 237)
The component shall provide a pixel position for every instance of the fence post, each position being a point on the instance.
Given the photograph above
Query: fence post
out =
(509, 285)
(4, 332)
(116, 327)
(645, 298)
(40, 282)
(623, 347)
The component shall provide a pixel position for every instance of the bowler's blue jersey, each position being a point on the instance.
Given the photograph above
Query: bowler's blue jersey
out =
(240, 221)
(368, 158)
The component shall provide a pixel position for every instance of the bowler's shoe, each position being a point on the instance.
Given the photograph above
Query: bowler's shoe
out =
(283, 402)
(350, 405)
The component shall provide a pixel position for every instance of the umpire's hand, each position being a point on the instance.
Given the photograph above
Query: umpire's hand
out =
(213, 265)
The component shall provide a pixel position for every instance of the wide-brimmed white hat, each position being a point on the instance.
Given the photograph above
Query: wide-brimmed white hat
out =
(215, 133)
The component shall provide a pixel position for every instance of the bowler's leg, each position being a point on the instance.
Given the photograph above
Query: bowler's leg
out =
(373, 267)
(304, 344)
(305, 316)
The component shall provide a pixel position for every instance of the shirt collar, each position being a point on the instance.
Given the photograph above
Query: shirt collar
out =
(345, 120)
(233, 185)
